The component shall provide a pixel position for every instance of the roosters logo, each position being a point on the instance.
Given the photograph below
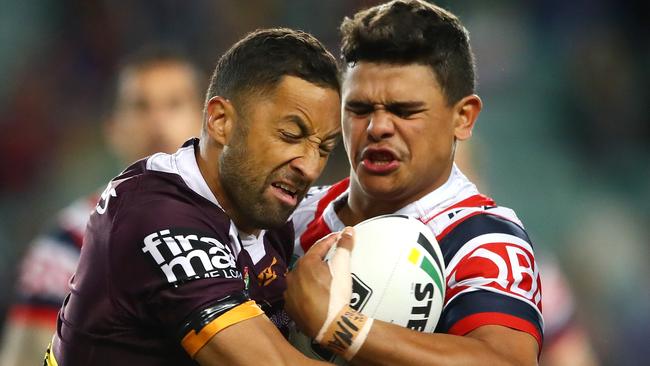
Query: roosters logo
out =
(503, 262)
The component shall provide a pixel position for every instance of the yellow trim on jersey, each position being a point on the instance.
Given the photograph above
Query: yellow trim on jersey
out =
(49, 357)
(193, 342)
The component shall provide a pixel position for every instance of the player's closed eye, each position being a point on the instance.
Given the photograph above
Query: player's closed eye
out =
(359, 109)
(290, 137)
(403, 113)
(405, 110)
(326, 150)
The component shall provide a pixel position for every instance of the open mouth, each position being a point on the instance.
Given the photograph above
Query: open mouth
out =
(380, 157)
(286, 192)
(287, 189)
(379, 161)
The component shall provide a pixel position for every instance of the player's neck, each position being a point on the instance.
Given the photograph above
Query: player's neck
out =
(206, 159)
(361, 205)
(357, 209)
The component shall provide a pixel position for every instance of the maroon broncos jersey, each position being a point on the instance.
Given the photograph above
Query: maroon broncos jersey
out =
(161, 263)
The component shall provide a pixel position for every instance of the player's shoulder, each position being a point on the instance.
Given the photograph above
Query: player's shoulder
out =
(476, 217)
(157, 194)
(142, 179)
(160, 170)
(154, 216)
(481, 223)
(169, 207)
(478, 211)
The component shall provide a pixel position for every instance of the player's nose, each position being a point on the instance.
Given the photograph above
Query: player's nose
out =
(380, 125)
(309, 164)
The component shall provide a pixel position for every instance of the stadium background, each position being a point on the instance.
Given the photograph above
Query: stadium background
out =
(564, 137)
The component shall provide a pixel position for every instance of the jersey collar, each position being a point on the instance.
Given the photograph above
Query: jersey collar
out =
(455, 189)
(183, 163)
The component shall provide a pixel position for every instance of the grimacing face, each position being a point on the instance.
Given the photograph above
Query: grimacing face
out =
(278, 149)
(158, 108)
(398, 132)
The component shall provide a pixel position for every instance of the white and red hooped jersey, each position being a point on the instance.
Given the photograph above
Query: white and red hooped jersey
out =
(49, 264)
(491, 274)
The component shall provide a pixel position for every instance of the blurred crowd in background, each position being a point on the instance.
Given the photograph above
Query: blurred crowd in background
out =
(564, 136)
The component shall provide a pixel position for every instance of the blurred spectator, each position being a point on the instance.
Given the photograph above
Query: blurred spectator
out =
(157, 106)
(610, 269)
(566, 342)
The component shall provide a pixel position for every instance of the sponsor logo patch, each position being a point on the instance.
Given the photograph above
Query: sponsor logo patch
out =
(502, 262)
(184, 255)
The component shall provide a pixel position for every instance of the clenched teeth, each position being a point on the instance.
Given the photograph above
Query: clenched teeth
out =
(290, 190)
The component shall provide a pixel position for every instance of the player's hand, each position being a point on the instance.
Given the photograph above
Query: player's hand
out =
(317, 290)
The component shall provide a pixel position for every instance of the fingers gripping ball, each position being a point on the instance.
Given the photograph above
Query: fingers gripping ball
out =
(397, 273)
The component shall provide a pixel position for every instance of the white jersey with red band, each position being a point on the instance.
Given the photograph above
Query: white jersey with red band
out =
(491, 274)
(48, 266)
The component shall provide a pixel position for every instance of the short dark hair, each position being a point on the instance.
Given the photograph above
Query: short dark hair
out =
(154, 55)
(257, 63)
(413, 31)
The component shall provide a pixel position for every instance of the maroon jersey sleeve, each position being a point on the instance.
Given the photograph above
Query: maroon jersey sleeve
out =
(184, 273)
(158, 257)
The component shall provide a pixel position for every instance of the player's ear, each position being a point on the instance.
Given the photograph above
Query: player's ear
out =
(220, 115)
(466, 112)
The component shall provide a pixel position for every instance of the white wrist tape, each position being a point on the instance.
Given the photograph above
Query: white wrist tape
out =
(344, 329)
(340, 289)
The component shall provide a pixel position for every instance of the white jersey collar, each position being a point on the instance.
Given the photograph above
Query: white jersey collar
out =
(455, 189)
(183, 163)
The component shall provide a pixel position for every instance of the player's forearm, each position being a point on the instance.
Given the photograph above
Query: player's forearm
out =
(250, 342)
(388, 344)
(278, 355)
(272, 357)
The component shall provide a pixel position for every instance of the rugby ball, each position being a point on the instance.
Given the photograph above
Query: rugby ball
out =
(397, 276)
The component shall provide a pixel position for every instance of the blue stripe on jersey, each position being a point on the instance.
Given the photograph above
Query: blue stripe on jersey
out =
(475, 226)
(485, 302)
